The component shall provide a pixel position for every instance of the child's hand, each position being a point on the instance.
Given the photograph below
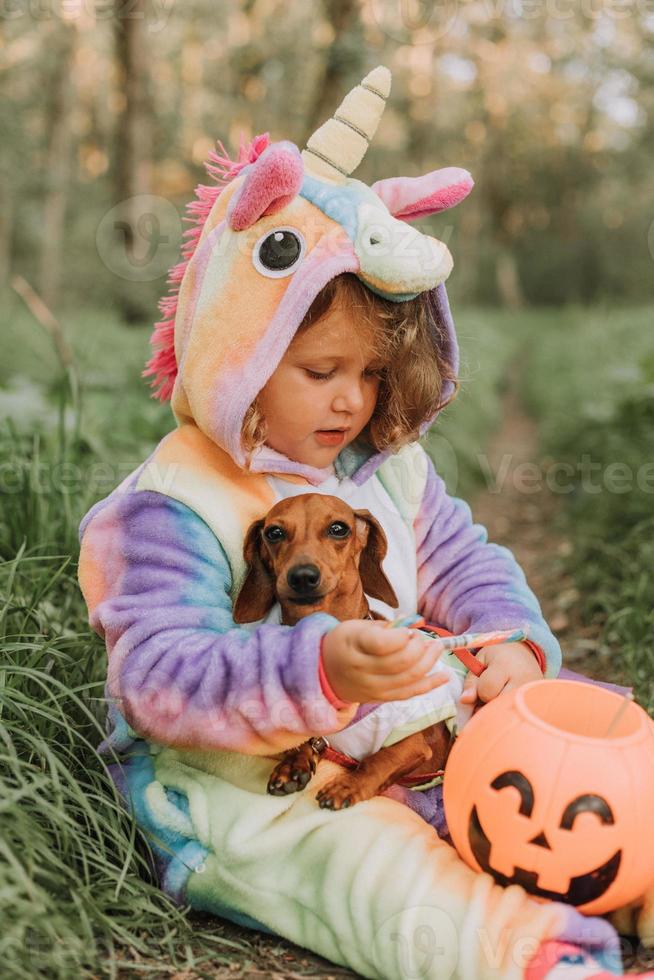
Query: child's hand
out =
(509, 666)
(364, 661)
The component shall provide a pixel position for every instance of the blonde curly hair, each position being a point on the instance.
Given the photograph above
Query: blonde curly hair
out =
(414, 371)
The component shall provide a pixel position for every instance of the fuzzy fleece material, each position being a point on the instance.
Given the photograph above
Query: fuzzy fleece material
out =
(198, 706)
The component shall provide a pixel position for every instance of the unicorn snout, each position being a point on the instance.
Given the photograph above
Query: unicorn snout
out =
(397, 259)
(442, 260)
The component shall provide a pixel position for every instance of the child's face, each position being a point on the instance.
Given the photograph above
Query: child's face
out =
(328, 379)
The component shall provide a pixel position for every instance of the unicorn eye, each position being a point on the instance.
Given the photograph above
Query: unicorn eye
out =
(278, 252)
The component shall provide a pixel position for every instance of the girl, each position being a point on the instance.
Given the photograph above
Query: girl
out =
(306, 346)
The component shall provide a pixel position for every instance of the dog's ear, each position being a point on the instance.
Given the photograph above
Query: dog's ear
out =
(372, 575)
(257, 594)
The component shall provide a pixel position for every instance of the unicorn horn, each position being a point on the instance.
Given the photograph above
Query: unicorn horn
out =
(337, 147)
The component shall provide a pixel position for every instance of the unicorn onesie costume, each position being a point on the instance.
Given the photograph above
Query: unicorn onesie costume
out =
(197, 705)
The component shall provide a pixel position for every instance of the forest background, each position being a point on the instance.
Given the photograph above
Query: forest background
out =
(109, 108)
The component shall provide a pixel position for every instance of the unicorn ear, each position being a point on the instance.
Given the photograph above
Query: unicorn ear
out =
(272, 181)
(409, 198)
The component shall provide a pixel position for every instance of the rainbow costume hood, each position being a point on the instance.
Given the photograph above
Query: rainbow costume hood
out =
(276, 227)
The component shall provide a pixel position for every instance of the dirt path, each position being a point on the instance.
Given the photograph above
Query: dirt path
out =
(520, 512)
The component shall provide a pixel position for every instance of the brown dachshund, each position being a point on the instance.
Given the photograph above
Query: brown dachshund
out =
(313, 553)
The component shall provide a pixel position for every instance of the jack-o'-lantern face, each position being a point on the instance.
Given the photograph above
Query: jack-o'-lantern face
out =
(541, 875)
(551, 787)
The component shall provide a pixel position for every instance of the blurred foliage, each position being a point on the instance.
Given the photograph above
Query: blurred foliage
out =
(118, 421)
(590, 384)
(489, 340)
(118, 425)
(550, 107)
(584, 363)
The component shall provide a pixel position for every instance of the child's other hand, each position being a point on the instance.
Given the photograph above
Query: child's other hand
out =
(364, 661)
(508, 665)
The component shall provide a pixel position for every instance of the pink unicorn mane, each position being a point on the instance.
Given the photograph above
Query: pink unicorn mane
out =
(162, 366)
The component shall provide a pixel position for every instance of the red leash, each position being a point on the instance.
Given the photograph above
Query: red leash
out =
(333, 755)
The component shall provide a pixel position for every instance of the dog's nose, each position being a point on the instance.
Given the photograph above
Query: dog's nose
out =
(303, 578)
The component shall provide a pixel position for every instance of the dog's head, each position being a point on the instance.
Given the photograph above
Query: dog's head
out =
(312, 552)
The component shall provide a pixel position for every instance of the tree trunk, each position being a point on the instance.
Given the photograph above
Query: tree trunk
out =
(58, 166)
(339, 14)
(133, 134)
(6, 229)
(508, 280)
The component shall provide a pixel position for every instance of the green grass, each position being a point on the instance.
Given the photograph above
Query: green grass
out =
(118, 422)
(590, 384)
(75, 875)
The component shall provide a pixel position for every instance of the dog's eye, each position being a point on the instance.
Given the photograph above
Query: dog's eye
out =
(338, 530)
(274, 533)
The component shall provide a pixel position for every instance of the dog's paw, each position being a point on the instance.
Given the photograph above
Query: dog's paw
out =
(342, 792)
(291, 775)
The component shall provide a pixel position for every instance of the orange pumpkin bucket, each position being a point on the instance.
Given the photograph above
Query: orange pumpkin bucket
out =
(551, 787)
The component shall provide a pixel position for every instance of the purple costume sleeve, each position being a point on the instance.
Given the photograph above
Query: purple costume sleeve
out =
(465, 583)
(180, 672)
